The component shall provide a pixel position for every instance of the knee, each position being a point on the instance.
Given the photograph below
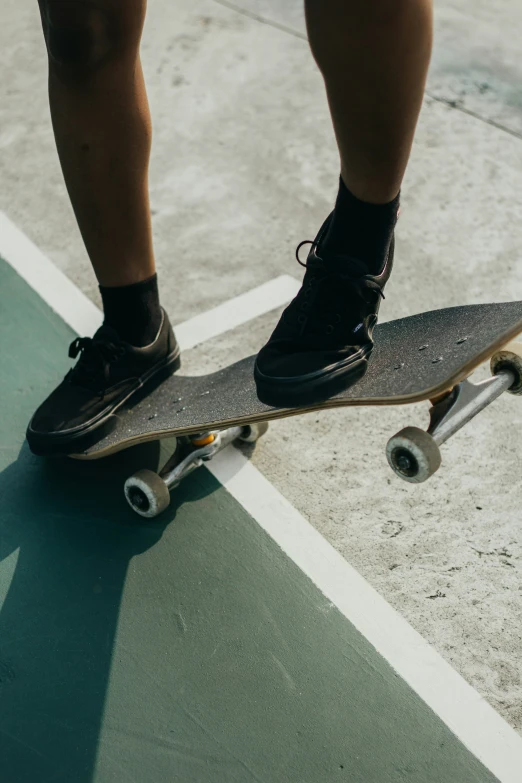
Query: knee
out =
(80, 36)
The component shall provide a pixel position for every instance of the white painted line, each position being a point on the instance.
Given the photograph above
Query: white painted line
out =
(482, 730)
(237, 311)
(49, 282)
(84, 317)
(478, 726)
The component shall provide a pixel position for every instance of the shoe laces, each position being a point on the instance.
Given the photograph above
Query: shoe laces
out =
(97, 355)
(347, 281)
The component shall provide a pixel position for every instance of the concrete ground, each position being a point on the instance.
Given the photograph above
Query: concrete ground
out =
(163, 651)
(244, 167)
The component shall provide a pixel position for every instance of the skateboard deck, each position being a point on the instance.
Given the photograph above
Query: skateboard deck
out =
(415, 358)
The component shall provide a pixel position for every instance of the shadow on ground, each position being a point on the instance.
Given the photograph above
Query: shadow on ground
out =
(71, 538)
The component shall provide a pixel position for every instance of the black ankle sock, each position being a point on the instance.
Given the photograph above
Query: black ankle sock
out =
(360, 229)
(133, 311)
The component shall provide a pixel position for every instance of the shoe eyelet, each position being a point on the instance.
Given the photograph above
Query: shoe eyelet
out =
(329, 329)
(305, 305)
(337, 318)
(301, 319)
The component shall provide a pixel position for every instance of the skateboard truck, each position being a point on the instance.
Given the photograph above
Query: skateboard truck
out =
(148, 493)
(414, 454)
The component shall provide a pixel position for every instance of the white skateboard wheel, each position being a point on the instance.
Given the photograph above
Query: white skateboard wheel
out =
(253, 432)
(413, 455)
(147, 494)
(509, 358)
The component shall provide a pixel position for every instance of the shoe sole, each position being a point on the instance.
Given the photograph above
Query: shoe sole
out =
(305, 390)
(79, 440)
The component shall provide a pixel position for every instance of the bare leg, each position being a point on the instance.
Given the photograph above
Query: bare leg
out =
(103, 133)
(102, 127)
(374, 56)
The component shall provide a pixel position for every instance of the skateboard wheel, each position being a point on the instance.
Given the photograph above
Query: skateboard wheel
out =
(253, 432)
(413, 455)
(147, 494)
(510, 358)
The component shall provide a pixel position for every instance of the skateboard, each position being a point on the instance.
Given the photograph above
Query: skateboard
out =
(424, 357)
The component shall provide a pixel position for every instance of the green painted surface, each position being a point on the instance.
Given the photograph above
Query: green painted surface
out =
(186, 650)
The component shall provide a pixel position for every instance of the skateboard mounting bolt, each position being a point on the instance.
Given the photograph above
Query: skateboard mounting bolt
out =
(423, 347)
(437, 360)
(462, 340)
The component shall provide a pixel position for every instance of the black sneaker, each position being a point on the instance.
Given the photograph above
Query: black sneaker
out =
(324, 338)
(108, 375)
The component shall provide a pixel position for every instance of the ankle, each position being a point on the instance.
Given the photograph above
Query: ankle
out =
(134, 311)
(361, 229)
(371, 192)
